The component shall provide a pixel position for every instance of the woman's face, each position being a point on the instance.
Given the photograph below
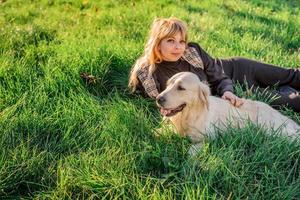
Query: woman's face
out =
(172, 48)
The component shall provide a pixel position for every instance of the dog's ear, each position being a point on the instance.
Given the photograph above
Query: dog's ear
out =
(204, 93)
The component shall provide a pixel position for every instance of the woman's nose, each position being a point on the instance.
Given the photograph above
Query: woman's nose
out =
(177, 45)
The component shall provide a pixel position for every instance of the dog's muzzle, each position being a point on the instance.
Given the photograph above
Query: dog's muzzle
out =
(171, 111)
(160, 100)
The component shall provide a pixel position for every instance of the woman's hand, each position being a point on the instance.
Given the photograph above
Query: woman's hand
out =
(234, 100)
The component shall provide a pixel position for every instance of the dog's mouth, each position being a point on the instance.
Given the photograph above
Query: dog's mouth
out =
(168, 112)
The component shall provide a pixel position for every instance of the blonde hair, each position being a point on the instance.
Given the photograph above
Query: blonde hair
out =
(161, 28)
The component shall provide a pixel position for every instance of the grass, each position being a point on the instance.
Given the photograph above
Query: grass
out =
(63, 138)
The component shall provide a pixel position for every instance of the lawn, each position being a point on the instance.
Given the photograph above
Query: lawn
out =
(65, 137)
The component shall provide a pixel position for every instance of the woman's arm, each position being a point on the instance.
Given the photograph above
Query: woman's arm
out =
(218, 80)
(234, 100)
(220, 83)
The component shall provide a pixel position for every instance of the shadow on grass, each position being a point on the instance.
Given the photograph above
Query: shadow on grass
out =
(276, 5)
(109, 73)
(290, 43)
(113, 79)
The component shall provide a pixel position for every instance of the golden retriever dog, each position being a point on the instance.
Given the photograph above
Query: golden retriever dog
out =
(194, 112)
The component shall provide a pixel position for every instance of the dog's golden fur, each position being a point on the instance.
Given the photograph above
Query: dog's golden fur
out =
(202, 112)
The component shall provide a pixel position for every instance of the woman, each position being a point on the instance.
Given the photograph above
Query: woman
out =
(168, 52)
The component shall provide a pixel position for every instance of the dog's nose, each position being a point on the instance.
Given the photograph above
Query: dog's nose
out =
(160, 100)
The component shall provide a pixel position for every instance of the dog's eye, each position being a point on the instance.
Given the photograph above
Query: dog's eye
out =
(180, 87)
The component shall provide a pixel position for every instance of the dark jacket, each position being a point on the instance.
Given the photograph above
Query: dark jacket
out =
(203, 65)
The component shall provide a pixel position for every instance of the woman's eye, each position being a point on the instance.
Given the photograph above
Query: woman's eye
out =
(170, 40)
(180, 87)
(182, 42)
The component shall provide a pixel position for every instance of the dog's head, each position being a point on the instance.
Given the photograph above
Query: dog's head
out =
(183, 90)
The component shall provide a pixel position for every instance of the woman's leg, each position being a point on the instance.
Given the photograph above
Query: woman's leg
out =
(258, 74)
(286, 96)
(264, 75)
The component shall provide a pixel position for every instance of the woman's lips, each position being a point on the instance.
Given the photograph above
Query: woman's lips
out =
(176, 54)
